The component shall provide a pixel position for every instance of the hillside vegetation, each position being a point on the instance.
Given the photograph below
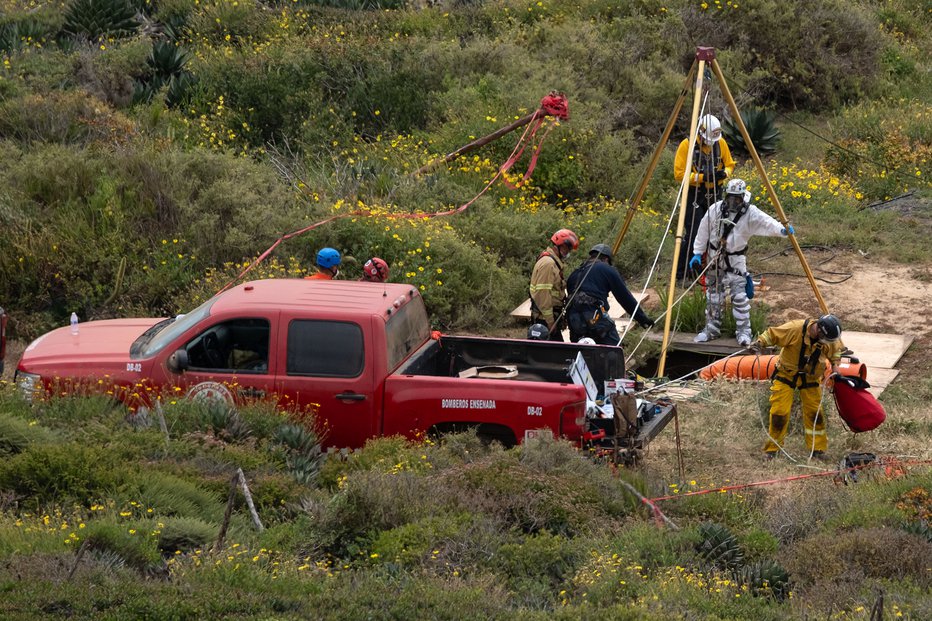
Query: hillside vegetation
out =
(154, 148)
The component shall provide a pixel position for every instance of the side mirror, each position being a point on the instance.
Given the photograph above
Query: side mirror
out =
(178, 361)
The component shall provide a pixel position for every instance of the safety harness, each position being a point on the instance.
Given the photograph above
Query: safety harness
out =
(801, 372)
(727, 226)
(581, 301)
(715, 156)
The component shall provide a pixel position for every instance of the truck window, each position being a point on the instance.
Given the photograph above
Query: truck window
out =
(406, 329)
(325, 348)
(235, 346)
(156, 338)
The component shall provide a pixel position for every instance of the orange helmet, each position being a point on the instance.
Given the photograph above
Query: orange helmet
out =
(565, 237)
(375, 270)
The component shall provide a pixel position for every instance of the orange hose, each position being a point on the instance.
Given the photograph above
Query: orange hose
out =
(742, 367)
(761, 368)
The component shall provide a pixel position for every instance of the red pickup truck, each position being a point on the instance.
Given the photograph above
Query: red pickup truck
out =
(360, 355)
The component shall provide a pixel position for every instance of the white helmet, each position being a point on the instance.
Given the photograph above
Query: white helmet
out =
(736, 186)
(710, 130)
(586, 341)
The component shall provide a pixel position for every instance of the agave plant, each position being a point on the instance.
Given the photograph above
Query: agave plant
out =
(14, 35)
(761, 128)
(765, 578)
(303, 452)
(166, 63)
(719, 546)
(94, 19)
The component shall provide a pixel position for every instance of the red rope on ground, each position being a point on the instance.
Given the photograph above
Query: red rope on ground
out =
(800, 477)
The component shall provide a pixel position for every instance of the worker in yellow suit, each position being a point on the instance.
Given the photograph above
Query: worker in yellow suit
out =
(548, 286)
(806, 345)
(708, 167)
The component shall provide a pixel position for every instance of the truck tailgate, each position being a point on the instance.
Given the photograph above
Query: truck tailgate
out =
(417, 403)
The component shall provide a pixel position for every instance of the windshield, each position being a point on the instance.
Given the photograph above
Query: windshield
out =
(159, 336)
(406, 329)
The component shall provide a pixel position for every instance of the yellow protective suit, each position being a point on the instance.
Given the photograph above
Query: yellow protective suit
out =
(791, 375)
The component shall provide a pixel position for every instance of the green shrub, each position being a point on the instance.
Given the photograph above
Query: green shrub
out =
(170, 495)
(862, 552)
(17, 434)
(136, 549)
(185, 534)
(61, 473)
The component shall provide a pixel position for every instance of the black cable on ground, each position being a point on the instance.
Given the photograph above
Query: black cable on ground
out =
(786, 250)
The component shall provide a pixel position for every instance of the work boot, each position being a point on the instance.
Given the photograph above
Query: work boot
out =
(703, 337)
(770, 455)
(744, 339)
(820, 455)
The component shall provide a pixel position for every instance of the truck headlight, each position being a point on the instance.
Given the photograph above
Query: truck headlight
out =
(28, 384)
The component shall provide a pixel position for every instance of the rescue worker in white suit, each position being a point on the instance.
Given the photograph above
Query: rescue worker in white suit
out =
(723, 235)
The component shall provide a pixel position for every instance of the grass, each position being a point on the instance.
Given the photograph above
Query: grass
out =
(295, 115)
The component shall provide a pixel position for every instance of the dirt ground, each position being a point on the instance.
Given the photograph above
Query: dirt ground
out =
(723, 428)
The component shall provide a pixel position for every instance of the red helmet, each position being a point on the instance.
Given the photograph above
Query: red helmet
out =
(565, 237)
(375, 270)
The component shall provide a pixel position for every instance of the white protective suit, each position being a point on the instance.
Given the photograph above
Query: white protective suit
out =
(729, 264)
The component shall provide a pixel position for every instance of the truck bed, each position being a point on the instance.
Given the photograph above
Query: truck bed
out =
(536, 361)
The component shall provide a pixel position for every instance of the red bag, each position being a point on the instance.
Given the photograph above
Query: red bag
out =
(857, 407)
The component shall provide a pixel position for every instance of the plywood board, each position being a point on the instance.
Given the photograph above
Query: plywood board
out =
(879, 378)
(877, 350)
(615, 310)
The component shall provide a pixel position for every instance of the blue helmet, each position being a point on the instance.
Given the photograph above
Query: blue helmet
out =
(328, 257)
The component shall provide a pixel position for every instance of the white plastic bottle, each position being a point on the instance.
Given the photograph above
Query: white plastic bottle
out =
(74, 323)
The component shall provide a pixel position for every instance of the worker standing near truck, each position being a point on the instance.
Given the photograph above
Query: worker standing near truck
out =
(374, 270)
(548, 287)
(589, 286)
(328, 265)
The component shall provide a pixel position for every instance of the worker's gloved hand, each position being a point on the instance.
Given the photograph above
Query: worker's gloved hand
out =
(789, 230)
(695, 262)
(720, 174)
(756, 347)
(646, 322)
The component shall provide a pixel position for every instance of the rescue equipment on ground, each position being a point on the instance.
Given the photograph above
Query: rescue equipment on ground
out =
(753, 367)
(857, 407)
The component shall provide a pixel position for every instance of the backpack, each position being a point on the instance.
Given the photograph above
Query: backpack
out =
(857, 407)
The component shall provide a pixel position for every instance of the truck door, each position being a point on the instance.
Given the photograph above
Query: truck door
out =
(230, 361)
(325, 369)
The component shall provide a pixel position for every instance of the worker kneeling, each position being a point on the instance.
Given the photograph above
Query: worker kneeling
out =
(723, 235)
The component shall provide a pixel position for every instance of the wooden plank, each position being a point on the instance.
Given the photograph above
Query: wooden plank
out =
(877, 350)
(879, 378)
(683, 341)
(615, 310)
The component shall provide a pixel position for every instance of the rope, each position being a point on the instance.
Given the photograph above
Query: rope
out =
(892, 462)
(529, 131)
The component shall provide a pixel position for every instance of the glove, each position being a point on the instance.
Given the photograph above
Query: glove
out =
(695, 262)
(646, 322)
(720, 175)
(789, 230)
(756, 347)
